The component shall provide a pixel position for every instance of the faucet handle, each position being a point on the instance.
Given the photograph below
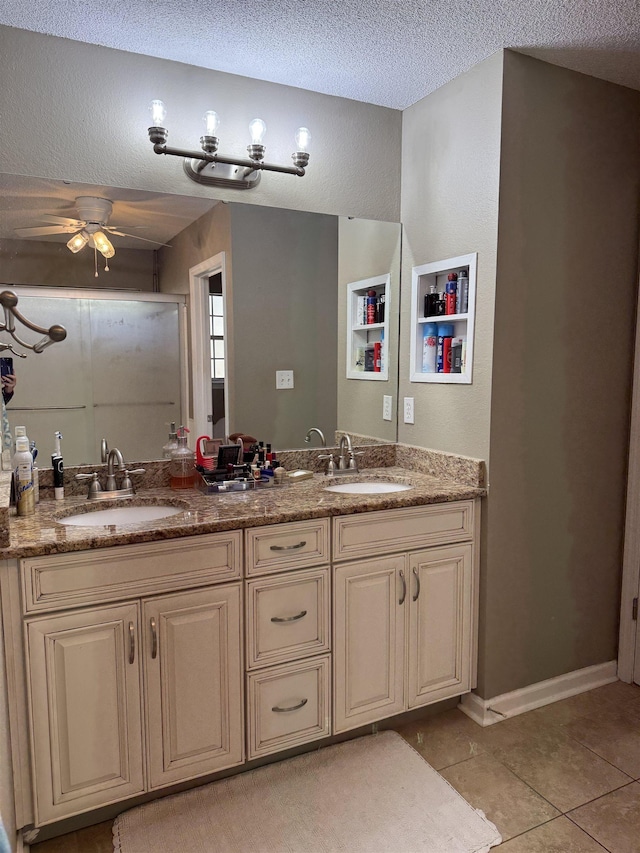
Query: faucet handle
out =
(126, 480)
(94, 486)
(331, 465)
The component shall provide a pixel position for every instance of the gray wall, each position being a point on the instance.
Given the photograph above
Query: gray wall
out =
(35, 262)
(366, 249)
(451, 162)
(562, 368)
(54, 125)
(285, 267)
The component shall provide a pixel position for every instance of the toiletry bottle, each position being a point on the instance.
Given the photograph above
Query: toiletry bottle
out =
(429, 347)
(456, 355)
(58, 468)
(441, 305)
(377, 365)
(381, 304)
(443, 356)
(450, 293)
(23, 477)
(371, 306)
(182, 469)
(431, 302)
(463, 292)
(172, 443)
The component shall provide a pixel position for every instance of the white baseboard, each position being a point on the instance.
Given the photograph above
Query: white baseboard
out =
(486, 712)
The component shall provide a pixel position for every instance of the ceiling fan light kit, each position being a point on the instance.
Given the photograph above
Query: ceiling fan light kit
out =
(91, 228)
(213, 169)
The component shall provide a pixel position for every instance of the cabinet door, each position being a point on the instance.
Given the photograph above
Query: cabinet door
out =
(440, 630)
(193, 680)
(369, 606)
(84, 681)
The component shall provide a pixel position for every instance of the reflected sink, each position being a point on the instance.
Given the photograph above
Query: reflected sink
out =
(368, 487)
(120, 515)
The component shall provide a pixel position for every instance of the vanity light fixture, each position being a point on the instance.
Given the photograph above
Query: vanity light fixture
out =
(215, 170)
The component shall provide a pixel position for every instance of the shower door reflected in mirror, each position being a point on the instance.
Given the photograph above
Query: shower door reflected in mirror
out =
(115, 376)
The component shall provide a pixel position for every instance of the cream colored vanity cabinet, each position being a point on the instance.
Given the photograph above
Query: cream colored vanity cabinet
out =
(133, 695)
(404, 624)
(288, 635)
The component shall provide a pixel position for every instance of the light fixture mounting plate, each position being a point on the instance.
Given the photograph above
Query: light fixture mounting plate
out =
(221, 174)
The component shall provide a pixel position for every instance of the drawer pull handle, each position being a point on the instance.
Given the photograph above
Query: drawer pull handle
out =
(279, 710)
(281, 619)
(154, 638)
(417, 577)
(288, 547)
(404, 587)
(132, 643)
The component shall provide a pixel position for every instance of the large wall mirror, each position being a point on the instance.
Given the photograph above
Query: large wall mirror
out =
(276, 278)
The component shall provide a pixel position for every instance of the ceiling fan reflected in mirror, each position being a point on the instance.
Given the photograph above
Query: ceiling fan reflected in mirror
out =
(89, 229)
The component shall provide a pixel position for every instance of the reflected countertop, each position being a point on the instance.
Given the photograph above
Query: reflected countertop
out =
(42, 534)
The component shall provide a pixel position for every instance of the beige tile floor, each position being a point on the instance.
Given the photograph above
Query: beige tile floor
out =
(561, 779)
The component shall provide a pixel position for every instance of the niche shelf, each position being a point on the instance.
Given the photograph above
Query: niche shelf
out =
(463, 323)
(362, 336)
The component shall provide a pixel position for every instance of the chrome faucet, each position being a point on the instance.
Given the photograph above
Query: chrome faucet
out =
(307, 437)
(113, 457)
(114, 461)
(347, 463)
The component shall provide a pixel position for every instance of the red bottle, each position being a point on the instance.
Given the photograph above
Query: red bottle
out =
(377, 347)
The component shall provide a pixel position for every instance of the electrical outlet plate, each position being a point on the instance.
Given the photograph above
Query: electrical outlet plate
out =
(387, 404)
(284, 379)
(408, 410)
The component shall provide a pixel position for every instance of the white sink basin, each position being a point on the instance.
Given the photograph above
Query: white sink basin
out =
(370, 487)
(120, 515)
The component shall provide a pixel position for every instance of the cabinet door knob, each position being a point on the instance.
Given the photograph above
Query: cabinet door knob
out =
(404, 587)
(280, 619)
(287, 547)
(154, 638)
(132, 643)
(417, 577)
(279, 710)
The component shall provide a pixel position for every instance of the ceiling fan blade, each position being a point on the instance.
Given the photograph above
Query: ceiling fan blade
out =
(135, 237)
(114, 228)
(63, 220)
(45, 230)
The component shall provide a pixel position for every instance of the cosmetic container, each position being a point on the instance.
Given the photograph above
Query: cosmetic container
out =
(58, 468)
(443, 355)
(463, 292)
(431, 302)
(182, 471)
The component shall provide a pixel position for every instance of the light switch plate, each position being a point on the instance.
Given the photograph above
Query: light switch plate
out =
(408, 410)
(284, 379)
(387, 403)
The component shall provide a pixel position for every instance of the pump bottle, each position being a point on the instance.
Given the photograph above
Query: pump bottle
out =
(23, 477)
(182, 472)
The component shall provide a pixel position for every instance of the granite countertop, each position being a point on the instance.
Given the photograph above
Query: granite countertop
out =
(41, 533)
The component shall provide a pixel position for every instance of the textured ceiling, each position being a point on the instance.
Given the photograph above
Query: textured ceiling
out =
(386, 52)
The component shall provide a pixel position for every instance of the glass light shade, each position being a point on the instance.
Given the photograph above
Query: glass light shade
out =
(303, 138)
(78, 241)
(103, 245)
(211, 122)
(257, 129)
(158, 113)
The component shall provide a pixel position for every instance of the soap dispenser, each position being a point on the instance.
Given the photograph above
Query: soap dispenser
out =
(182, 472)
(172, 443)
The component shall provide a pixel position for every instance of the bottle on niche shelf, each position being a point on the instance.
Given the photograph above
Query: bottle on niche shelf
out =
(463, 292)
(443, 355)
(431, 302)
(429, 347)
(451, 289)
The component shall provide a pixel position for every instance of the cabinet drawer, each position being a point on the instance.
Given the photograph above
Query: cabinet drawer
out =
(287, 617)
(288, 705)
(373, 533)
(125, 571)
(278, 547)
